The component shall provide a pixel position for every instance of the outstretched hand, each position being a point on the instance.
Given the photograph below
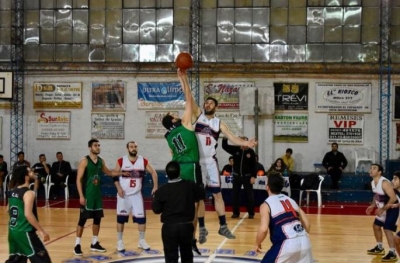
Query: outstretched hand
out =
(252, 143)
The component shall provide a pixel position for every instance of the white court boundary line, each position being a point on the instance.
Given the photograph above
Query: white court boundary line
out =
(211, 257)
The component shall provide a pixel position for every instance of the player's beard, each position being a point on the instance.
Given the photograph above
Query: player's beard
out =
(133, 154)
(209, 112)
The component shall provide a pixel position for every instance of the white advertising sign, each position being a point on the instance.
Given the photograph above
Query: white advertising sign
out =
(345, 129)
(57, 95)
(154, 127)
(55, 125)
(108, 125)
(233, 120)
(341, 97)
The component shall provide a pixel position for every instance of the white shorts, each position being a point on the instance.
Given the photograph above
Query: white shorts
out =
(291, 250)
(210, 172)
(131, 204)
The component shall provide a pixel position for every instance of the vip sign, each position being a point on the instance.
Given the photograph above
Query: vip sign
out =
(346, 129)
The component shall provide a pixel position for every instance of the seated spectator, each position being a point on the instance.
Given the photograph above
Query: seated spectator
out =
(59, 172)
(3, 171)
(227, 170)
(260, 168)
(41, 170)
(278, 167)
(21, 161)
(288, 160)
(334, 163)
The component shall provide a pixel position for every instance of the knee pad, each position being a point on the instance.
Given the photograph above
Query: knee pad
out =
(82, 222)
(122, 219)
(96, 221)
(140, 220)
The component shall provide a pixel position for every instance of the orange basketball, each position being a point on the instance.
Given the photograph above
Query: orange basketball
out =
(184, 61)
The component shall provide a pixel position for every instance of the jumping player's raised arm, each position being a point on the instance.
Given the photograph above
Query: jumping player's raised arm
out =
(187, 114)
(234, 139)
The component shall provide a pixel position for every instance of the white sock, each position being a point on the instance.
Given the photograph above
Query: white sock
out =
(94, 240)
(77, 241)
(119, 236)
(392, 249)
(380, 245)
(141, 235)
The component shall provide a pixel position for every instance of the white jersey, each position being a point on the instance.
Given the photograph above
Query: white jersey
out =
(132, 184)
(207, 133)
(380, 197)
(284, 218)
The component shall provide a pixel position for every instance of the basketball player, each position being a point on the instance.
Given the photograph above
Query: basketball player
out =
(386, 216)
(207, 128)
(129, 197)
(183, 144)
(88, 183)
(396, 186)
(287, 224)
(23, 241)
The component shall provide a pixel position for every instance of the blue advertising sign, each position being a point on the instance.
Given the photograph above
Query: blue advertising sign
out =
(160, 95)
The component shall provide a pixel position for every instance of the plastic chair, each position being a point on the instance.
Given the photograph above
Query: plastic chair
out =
(5, 184)
(318, 191)
(364, 155)
(50, 184)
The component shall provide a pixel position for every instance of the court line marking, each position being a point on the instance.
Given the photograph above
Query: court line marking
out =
(212, 256)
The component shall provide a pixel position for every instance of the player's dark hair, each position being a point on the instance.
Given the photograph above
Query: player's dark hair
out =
(173, 170)
(167, 121)
(380, 167)
(275, 183)
(397, 174)
(18, 175)
(127, 145)
(90, 143)
(211, 98)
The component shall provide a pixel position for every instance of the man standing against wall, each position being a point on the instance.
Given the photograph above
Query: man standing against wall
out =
(182, 142)
(129, 197)
(59, 171)
(3, 172)
(244, 173)
(207, 128)
(88, 183)
(334, 162)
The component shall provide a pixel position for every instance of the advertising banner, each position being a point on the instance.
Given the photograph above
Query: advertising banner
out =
(340, 97)
(291, 127)
(226, 93)
(57, 95)
(160, 95)
(233, 120)
(345, 129)
(108, 96)
(154, 127)
(291, 96)
(54, 125)
(108, 125)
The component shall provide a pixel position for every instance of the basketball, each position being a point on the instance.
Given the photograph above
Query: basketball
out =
(184, 61)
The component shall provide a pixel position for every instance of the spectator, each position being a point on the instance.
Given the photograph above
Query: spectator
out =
(227, 170)
(3, 171)
(41, 169)
(334, 162)
(175, 201)
(260, 167)
(288, 160)
(278, 167)
(59, 172)
(244, 173)
(21, 161)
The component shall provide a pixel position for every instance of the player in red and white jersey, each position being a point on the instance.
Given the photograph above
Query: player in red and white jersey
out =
(129, 197)
(207, 129)
(287, 224)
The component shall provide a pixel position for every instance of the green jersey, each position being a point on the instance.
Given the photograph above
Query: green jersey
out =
(183, 143)
(18, 221)
(92, 184)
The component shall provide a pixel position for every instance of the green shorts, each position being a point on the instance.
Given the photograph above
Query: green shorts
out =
(24, 243)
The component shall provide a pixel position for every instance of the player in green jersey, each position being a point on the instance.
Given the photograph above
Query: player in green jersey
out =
(183, 144)
(88, 183)
(23, 241)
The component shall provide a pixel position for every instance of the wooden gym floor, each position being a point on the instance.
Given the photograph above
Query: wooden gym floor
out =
(339, 233)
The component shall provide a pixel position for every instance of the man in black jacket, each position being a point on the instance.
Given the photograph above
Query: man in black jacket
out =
(244, 173)
(334, 162)
(175, 201)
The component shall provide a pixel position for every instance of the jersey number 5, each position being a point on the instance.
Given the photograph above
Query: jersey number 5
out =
(133, 183)
(288, 207)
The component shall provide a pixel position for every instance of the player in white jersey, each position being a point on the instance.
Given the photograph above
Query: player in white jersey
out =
(129, 197)
(287, 224)
(386, 216)
(207, 129)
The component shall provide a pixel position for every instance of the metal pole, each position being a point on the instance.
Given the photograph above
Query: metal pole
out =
(256, 111)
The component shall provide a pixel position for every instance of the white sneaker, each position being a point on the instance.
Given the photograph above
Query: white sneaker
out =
(142, 244)
(120, 246)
